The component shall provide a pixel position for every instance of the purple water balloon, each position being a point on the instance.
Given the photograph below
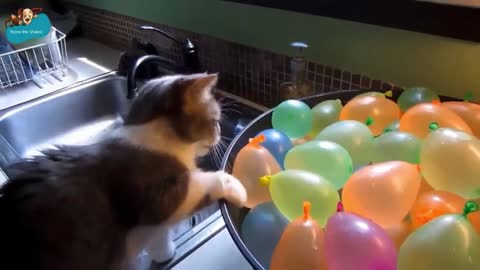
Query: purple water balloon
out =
(353, 242)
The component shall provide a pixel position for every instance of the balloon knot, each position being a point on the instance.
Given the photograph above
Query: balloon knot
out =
(265, 180)
(435, 102)
(433, 126)
(470, 207)
(340, 207)
(468, 97)
(389, 93)
(306, 210)
(257, 140)
(338, 101)
(419, 169)
(369, 121)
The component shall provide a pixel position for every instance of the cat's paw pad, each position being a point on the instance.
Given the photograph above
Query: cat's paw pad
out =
(232, 189)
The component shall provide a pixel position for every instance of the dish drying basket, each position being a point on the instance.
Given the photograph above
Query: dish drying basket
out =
(38, 62)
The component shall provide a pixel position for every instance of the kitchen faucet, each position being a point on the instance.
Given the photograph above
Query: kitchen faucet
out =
(164, 65)
(191, 63)
(191, 60)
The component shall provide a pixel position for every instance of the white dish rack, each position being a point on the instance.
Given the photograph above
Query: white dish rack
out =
(45, 61)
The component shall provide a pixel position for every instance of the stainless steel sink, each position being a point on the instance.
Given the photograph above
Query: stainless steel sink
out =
(74, 116)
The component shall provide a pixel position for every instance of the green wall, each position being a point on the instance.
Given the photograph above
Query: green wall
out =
(406, 58)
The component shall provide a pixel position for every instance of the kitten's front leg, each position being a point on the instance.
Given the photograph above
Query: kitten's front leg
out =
(203, 189)
(225, 186)
(206, 187)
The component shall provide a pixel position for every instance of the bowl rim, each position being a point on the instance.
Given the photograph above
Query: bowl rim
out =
(224, 204)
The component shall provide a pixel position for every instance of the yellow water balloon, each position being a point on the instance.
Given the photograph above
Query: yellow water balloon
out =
(450, 160)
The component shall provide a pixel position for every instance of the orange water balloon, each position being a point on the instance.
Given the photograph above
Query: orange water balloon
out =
(433, 204)
(469, 112)
(424, 187)
(301, 245)
(418, 119)
(252, 162)
(475, 220)
(379, 111)
(383, 192)
(399, 232)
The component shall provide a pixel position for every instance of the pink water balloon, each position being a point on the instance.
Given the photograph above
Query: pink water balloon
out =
(353, 242)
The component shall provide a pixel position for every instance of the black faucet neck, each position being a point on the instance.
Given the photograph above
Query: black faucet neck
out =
(189, 50)
(166, 66)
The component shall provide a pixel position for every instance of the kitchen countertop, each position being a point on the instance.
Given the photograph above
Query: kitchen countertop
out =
(89, 59)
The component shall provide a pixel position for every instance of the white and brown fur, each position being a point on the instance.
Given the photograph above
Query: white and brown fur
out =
(96, 206)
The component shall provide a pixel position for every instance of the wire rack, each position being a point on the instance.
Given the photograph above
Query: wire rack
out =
(39, 62)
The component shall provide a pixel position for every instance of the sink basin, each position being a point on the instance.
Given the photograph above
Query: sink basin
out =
(73, 116)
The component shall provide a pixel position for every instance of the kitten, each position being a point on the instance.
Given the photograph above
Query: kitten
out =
(86, 207)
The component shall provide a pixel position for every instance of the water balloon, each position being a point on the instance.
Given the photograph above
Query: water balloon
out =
(324, 114)
(301, 245)
(290, 188)
(433, 204)
(415, 95)
(469, 112)
(381, 111)
(445, 243)
(418, 119)
(394, 126)
(352, 135)
(261, 230)
(424, 187)
(354, 242)
(324, 158)
(383, 192)
(397, 145)
(293, 117)
(277, 143)
(252, 162)
(399, 232)
(450, 160)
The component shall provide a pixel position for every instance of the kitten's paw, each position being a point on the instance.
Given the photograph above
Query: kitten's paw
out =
(232, 189)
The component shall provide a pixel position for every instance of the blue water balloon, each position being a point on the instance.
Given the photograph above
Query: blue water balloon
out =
(277, 143)
(261, 230)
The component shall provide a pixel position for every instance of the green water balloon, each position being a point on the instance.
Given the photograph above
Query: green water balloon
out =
(290, 188)
(352, 135)
(397, 145)
(324, 114)
(324, 158)
(448, 242)
(395, 125)
(415, 95)
(292, 117)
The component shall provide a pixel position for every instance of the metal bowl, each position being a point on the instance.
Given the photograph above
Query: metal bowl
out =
(233, 215)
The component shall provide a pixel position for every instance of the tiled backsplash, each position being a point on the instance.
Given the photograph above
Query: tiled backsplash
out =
(251, 73)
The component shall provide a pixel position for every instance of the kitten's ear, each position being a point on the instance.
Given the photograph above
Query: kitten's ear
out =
(199, 87)
(202, 83)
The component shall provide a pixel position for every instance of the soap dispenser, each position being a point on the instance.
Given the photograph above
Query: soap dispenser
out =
(298, 87)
